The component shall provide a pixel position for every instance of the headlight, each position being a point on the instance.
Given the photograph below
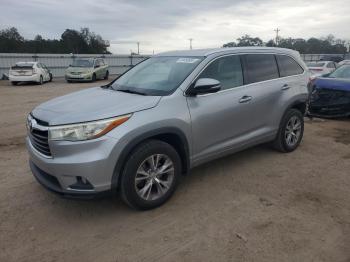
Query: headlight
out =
(87, 130)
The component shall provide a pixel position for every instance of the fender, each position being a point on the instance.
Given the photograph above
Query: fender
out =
(294, 104)
(139, 139)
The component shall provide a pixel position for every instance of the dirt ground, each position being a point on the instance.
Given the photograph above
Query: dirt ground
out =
(257, 205)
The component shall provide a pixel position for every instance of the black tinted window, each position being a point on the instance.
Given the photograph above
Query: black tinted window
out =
(288, 66)
(260, 67)
(227, 70)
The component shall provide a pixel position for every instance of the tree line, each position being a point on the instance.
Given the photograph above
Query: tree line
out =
(71, 41)
(87, 42)
(323, 45)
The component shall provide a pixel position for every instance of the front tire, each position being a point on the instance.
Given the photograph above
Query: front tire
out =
(150, 175)
(93, 79)
(290, 132)
(50, 79)
(106, 76)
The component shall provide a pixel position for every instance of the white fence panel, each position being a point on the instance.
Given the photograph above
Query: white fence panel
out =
(58, 63)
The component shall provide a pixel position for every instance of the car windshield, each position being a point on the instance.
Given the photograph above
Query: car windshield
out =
(157, 76)
(315, 64)
(82, 63)
(341, 72)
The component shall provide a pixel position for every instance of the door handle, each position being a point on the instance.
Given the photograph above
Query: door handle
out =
(245, 99)
(285, 87)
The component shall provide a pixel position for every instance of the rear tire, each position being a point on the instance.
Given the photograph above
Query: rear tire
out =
(93, 78)
(150, 175)
(290, 132)
(14, 83)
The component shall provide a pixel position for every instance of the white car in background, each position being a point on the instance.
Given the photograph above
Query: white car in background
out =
(29, 72)
(344, 62)
(321, 67)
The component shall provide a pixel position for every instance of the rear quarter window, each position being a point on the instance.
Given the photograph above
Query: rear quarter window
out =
(260, 67)
(288, 66)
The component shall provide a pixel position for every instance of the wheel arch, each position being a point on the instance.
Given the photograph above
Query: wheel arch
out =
(173, 136)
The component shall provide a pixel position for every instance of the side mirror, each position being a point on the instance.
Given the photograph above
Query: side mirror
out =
(204, 86)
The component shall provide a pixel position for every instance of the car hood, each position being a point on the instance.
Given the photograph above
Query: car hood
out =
(332, 83)
(92, 104)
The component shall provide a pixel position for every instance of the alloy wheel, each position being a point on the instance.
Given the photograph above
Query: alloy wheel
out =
(154, 177)
(293, 131)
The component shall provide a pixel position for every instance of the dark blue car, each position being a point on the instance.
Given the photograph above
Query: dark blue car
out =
(330, 94)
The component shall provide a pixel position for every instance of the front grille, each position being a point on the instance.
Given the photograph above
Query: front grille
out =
(39, 139)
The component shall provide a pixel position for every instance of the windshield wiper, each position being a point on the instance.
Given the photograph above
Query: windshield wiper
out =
(131, 91)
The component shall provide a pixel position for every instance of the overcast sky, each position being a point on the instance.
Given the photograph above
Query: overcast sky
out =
(162, 25)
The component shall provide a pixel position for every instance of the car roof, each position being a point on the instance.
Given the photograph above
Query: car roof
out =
(207, 52)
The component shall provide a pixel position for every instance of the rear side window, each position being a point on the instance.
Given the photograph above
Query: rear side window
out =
(227, 70)
(288, 66)
(260, 67)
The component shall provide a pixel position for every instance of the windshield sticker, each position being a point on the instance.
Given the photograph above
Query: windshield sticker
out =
(187, 60)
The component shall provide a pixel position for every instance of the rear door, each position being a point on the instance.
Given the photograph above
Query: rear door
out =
(46, 72)
(291, 80)
(266, 88)
(103, 68)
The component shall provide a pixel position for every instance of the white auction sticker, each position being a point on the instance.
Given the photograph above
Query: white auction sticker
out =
(187, 60)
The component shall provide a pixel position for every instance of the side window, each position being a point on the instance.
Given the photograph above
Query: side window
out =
(260, 67)
(331, 65)
(288, 66)
(102, 63)
(227, 70)
(38, 65)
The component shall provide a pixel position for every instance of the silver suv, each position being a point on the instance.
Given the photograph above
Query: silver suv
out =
(174, 111)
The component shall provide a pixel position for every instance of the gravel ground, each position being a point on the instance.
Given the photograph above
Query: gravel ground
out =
(257, 205)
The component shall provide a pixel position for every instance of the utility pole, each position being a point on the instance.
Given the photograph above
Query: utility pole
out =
(138, 48)
(190, 39)
(277, 30)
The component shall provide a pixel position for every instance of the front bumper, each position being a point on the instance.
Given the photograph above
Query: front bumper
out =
(31, 78)
(329, 103)
(51, 183)
(78, 78)
(79, 169)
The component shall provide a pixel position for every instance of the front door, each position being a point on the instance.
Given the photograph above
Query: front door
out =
(220, 120)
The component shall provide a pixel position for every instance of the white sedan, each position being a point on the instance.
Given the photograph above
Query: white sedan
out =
(321, 67)
(29, 72)
(344, 62)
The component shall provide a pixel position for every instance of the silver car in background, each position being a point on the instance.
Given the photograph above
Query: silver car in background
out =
(170, 113)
